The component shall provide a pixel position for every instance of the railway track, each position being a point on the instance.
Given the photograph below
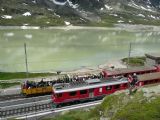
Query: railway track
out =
(24, 106)
(30, 106)
(49, 111)
(36, 107)
(10, 97)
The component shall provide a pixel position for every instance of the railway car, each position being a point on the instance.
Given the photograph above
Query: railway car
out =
(96, 88)
(44, 85)
(150, 78)
(129, 71)
(30, 88)
(86, 90)
(39, 86)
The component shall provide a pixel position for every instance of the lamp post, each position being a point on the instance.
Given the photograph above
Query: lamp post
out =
(26, 60)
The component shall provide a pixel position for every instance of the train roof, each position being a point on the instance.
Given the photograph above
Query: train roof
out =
(88, 84)
(129, 70)
(149, 76)
(63, 75)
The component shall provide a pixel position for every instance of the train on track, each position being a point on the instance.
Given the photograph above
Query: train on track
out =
(44, 86)
(94, 89)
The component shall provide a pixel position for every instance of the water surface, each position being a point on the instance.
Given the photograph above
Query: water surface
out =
(66, 49)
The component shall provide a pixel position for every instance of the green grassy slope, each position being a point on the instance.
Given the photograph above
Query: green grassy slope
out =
(21, 75)
(119, 107)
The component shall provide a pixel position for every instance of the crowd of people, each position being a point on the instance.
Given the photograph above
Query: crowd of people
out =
(64, 79)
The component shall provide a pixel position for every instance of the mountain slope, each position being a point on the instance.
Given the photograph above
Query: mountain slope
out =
(79, 12)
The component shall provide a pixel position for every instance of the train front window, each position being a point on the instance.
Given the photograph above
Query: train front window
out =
(72, 93)
(59, 95)
(83, 92)
(108, 87)
(117, 86)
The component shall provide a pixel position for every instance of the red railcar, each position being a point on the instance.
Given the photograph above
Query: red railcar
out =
(85, 90)
(96, 88)
(130, 71)
(150, 78)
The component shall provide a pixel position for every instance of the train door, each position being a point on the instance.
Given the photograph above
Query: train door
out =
(91, 93)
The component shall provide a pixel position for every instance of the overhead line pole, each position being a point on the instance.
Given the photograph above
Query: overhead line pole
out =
(26, 60)
(129, 54)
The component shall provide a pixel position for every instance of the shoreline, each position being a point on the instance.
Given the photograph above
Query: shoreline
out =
(107, 65)
(128, 27)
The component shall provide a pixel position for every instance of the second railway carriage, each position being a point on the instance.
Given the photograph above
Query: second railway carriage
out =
(96, 88)
(150, 78)
(130, 71)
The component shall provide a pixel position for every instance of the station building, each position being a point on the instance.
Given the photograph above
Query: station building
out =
(152, 59)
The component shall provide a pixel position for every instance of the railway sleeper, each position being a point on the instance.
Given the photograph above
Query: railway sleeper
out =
(24, 110)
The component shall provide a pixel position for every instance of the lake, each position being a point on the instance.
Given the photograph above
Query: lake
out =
(67, 48)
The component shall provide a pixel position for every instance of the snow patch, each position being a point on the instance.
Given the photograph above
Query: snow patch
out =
(133, 4)
(102, 9)
(2, 9)
(57, 15)
(25, 24)
(108, 7)
(25, 4)
(120, 21)
(114, 15)
(140, 15)
(6, 16)
(27, 14)
(152, 16)
(67, 23)
(50, 9)
(82, 19)
(129, 21)
(34, 1)
(72, 5)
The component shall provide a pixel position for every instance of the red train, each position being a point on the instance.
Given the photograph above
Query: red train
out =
(129, 71)
(96, 88)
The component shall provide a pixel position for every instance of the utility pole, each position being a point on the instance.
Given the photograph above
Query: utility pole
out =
(129, 54)
(26, 60)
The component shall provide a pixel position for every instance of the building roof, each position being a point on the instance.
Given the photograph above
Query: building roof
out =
(155, 56)
(83, 85)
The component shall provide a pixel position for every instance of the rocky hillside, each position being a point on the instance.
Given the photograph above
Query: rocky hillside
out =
(79, 12)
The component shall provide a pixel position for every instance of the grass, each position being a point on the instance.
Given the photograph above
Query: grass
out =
(7, 85)
(21, 75)
(140, 111)
(135, 61)
(118, 107)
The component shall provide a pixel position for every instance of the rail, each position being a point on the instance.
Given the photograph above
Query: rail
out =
(19, 109)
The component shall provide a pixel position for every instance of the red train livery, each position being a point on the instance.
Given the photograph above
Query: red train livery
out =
(96, 88)
(130, 71)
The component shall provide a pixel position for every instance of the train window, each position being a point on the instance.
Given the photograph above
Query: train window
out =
(100, 89)
(108, 87)
(117, 86)
(59, 95)
(83, 92)
(72, 93)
